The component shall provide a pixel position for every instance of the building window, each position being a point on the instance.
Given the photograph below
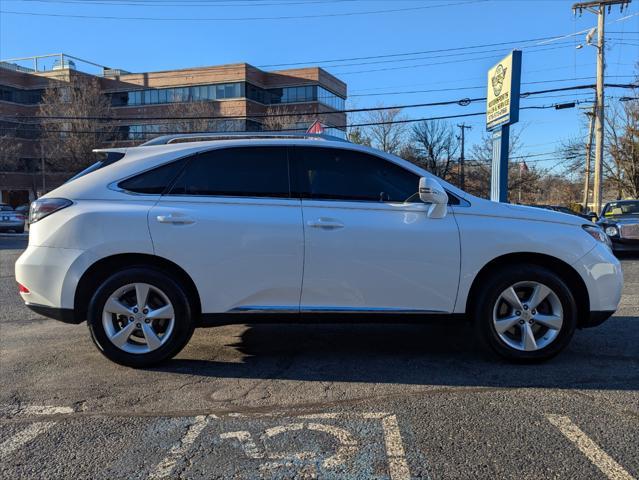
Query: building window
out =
(300, 94)
(330, 99)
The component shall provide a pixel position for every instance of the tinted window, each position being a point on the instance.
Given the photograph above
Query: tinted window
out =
(349, 175)
(109, 158)
(154, 181)
(245, 172)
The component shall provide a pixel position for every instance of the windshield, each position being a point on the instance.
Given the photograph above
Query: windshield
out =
(111, 157)
(621, 208)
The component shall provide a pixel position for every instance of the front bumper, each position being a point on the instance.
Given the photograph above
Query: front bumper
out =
(622, 245)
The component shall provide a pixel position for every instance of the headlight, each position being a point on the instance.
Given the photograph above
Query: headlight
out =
(611, 231)
(598, 234)
(46, 206)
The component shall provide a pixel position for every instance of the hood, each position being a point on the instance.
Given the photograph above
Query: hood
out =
(630, 218)
(521, 212)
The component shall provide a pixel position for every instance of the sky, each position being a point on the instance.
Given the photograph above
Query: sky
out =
(417, 46)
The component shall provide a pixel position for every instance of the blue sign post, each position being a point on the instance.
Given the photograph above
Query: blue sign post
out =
(502, 110)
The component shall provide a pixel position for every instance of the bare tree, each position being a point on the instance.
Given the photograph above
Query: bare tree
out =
(10, 148)
(194, 117)
(385, 134)
(478, 167)
(69, 142)
(433, 146)
(622, 147)
(280, 117)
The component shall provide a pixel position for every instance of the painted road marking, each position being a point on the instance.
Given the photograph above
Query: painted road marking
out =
(34, 430)
(345, 452)
(348, 445)
(166, 466)
(590, 449)
(23, 437)
(395, 449)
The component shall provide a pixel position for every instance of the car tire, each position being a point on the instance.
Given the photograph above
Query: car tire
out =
(148, 341)
(522, 329)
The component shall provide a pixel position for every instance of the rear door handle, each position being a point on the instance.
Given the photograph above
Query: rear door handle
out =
(175, 219)
(325, 223)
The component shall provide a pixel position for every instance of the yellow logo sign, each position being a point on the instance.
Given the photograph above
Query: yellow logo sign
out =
(499, 101)
(498, 79)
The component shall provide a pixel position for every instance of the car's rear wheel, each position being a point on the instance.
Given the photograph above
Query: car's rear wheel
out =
(140, 317)
(525, 313)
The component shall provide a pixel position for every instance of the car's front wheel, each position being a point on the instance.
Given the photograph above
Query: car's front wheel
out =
(139, 317)
(525, 313)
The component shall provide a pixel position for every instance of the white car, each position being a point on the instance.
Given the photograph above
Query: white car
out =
(182, 231)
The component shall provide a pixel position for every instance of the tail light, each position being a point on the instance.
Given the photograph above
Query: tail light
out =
(46, 206)
(22, 288)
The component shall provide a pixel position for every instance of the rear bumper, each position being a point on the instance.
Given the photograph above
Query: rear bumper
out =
(66, 315)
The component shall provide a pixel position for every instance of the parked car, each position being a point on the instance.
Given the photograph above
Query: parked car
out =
(159, 239)
(591, 216)
(620, 221)
(10, 220)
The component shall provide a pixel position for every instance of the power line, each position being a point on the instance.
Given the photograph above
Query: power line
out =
(345, 126)
(240, 19)
(461, 102)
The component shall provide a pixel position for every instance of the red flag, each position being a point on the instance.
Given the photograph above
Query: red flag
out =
(316, 127)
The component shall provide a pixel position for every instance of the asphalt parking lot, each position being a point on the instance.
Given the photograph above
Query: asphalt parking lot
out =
(307, 401)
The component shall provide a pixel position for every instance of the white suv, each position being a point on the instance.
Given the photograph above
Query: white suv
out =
(155, 240)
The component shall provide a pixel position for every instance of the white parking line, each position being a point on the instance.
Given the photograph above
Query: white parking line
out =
(395, 449)
(166, 466)
(23, 437)
(35, 429)
(590, 449)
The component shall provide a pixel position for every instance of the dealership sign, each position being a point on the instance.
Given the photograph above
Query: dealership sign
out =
(502, 99)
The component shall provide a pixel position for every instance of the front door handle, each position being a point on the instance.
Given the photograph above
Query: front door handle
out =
(175, 219)
(325, 223)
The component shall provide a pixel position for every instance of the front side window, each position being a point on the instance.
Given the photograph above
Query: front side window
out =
(236, 172)
(336, 174)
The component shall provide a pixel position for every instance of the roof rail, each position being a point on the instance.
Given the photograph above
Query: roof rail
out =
(206, 136)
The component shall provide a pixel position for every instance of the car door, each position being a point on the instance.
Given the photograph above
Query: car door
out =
(229, 221)
(369, 244)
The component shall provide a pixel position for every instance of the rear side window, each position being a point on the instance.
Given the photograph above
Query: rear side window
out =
(108, 159)
(236, 172)
(336, 174)
(155, 181)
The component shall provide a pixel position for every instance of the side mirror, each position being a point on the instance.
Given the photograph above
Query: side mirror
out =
(431, 191)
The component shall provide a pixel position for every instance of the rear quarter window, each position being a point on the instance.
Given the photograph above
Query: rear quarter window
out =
(155, 181)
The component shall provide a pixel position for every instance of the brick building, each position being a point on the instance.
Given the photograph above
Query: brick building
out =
(241, 96)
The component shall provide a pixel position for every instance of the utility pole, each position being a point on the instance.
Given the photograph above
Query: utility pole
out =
(599, 8)
(591, 128)
(462, 175)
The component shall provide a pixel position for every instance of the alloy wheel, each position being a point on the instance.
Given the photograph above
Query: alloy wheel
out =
(528, 316)
(138, 318)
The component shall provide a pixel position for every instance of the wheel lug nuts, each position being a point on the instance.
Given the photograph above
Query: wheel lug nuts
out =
(531, 321)
(534, 312)
(518, 313)
(525, 307)
(147, 320)
(145, 311)
(139, 325)
(130, 319)
(521, 322)
(135, 310)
